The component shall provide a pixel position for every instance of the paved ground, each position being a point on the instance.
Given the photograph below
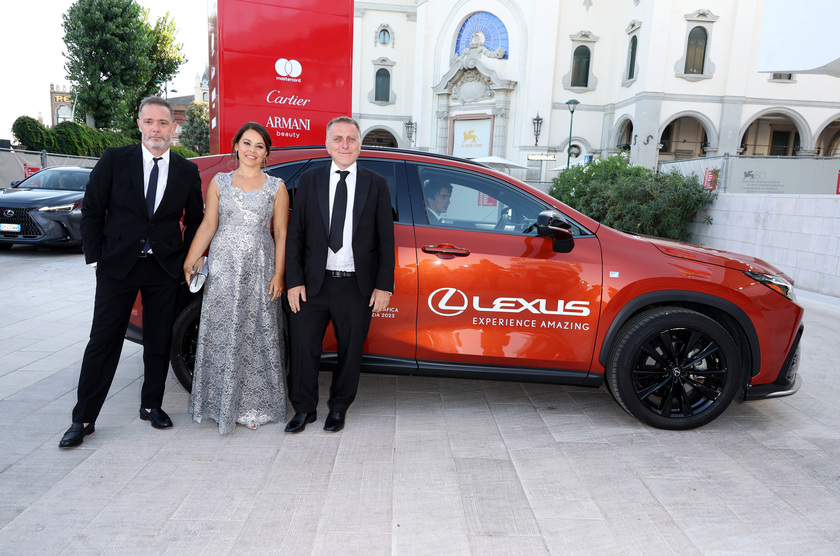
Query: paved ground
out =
(425, 466)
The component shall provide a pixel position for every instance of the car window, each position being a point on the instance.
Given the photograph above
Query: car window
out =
(57, 179)
(388, 169)
(286, 171)
(292, 182)
(462, 199)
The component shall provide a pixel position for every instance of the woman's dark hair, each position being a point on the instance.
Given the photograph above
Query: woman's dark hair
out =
(266, 137)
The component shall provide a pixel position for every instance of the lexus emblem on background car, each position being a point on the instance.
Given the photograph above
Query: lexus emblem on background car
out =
(8, 213)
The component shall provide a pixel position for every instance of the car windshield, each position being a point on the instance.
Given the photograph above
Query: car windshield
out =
(67, 180)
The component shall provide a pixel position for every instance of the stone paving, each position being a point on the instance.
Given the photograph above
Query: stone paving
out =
(425, 466)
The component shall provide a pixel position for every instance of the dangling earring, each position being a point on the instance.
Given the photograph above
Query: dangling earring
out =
(237, 159)
(264, 163)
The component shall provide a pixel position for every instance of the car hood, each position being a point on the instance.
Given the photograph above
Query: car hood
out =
(716, 257)
(15, 197)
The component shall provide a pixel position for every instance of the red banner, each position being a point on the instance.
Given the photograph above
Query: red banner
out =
(29, 170)
(286, 64)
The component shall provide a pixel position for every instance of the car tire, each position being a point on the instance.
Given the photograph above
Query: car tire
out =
(674, 368)
(184, 343)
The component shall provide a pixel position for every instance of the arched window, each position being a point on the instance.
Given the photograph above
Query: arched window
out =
(580, 67)
(491, 30)
(631, 67)
(383, 85)
(695, 52)
(62, 113)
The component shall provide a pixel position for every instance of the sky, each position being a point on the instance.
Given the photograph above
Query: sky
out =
(32, 46)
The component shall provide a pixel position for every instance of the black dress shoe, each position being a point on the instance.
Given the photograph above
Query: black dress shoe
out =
(299, 422)
(334, 421)
(158, 417)
(76, 434)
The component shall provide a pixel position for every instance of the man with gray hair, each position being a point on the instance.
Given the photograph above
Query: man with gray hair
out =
(339, 268)
(133, 208)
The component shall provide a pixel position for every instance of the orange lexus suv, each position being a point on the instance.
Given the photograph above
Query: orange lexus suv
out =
(510, 284)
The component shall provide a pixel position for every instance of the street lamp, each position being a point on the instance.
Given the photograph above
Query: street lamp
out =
(410, 130)
(537, 127)
(165, 88)
(572, 104)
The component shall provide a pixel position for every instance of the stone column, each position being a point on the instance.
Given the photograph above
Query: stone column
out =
(442, 115)
(500, 113)
(643, 147)
(729, 138)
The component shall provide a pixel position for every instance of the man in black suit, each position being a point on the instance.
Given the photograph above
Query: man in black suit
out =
(135, 201)
(339, 268)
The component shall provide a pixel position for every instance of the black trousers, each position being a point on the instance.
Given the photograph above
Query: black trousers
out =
(111, 313)
(341, 302)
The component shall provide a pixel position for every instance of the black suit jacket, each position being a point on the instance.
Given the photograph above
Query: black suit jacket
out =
(115, 221)
(307, 241)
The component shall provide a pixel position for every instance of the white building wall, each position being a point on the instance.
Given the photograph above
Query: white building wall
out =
(541, 57)
(799, 234)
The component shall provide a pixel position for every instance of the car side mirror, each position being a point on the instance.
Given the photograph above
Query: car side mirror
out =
(15, 183)
(552, 224)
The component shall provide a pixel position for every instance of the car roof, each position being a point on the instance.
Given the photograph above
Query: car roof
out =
(367, 150)
(66, 168)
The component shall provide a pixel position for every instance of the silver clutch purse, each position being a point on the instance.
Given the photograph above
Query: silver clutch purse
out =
(201, 272)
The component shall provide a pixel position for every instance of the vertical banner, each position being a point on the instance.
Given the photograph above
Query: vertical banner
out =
(286, 64)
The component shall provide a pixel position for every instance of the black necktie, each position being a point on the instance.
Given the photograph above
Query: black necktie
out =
(151, 191)
(339, 211)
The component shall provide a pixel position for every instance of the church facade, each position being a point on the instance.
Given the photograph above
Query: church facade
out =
(661, 79)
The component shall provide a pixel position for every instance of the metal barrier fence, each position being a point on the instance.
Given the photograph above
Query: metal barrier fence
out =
(764, 175)
(16, 164)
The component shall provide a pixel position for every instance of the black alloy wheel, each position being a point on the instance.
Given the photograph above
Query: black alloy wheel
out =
(674, 368)
(184, 343)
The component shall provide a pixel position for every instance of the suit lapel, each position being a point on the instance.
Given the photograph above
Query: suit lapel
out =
(171, 179)
(135, 167)
(362, 188)
(323, 190)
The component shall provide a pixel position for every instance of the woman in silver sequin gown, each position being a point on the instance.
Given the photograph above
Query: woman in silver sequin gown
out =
(239, 374)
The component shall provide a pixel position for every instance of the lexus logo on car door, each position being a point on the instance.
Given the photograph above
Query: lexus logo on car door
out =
(448, 302)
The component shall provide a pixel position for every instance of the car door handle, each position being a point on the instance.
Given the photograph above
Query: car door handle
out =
(446, 251)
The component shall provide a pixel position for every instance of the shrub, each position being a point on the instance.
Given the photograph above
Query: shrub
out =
(633, 198)
(30, 133)
(72, 138)
(184, 151)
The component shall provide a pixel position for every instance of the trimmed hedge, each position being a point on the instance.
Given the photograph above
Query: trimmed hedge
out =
(633, 198)
(74, 139)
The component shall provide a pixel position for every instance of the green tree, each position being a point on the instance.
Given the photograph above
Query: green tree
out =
(115, 58)
(195, 133)
(633, 198)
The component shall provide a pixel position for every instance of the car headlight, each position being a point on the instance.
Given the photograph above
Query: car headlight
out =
(62, 208)
(775, 283)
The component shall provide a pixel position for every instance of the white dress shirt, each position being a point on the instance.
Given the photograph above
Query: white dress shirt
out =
(343, 260)
(163, 172)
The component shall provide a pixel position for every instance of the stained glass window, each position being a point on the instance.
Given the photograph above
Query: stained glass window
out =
(491, 29)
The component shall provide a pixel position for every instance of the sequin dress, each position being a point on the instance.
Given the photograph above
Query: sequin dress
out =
(239, 372)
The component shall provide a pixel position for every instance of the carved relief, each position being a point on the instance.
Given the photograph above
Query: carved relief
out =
(471, 87)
